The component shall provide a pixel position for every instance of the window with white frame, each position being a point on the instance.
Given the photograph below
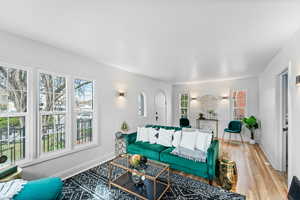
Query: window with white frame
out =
(142, 105)
(52, 112)
(13, 112)
(84, 110)
(184, 105)
(239, 104)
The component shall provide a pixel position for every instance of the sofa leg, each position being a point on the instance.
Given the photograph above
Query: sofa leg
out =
(210, 182)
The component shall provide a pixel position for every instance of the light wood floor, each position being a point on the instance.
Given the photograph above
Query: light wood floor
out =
(256, 178)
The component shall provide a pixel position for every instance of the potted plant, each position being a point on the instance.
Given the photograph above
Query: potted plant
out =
(252, 125)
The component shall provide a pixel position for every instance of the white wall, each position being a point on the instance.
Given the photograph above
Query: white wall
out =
(269, 104)
(111, 110)
(217, 88)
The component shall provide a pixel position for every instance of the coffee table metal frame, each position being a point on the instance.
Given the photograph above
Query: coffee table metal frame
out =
(165, 168)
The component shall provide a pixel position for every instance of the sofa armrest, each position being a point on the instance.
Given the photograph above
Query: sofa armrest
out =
(212, 157)
(130, 138)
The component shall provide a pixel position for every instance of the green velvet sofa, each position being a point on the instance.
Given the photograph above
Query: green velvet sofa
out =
(161, 153)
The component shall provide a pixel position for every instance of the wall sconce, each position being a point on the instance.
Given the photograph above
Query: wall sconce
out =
(298, 80)
(224, 97)
(193, 98)
(121, 94)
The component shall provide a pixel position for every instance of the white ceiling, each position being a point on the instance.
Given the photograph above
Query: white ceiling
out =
(171, 40)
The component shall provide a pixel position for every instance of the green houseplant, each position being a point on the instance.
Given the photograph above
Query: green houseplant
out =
(252, 125)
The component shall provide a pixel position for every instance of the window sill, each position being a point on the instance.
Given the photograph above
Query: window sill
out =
(55, 155)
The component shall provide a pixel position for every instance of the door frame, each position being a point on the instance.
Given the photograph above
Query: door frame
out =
(279, 106)
(281, 119)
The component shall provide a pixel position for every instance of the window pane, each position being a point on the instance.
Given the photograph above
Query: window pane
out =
(83, 94)
(17, 137)
(184, 104)
(53, 132)
(141, 105)
(17, 101)
(17, 79)
(12, 135)
(4, 136)
(3, 78)
(3, 128)
(13, 99)
(46, 101)
(59, 102)
(84, 128)
(3, 102)
(46, 83)
(59, 85)
(60, 131)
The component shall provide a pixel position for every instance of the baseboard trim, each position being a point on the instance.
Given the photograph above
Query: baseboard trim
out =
(84, 166)
(269, 157)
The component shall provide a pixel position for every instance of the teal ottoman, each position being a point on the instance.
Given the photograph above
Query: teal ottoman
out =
(42, 189)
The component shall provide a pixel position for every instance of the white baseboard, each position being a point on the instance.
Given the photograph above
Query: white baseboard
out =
(84, 166)
(269, 157)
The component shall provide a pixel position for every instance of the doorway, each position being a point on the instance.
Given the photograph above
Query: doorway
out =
(160, 108)
(284, 119)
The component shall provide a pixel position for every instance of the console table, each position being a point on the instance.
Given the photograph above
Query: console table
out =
(209, 124)
(120, 143)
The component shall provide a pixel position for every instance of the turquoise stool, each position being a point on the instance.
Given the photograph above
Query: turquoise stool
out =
(234, 126)
(42, 189)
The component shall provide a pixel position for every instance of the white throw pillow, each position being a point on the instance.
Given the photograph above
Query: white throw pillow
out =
(188, 140)
(176, 138)
(165, 137)
(142, 134)
(153, 135)
(188, 129)
(203, 140)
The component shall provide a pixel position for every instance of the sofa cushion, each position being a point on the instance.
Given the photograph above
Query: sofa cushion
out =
(151, 151)
(231, 131)
(167, 157)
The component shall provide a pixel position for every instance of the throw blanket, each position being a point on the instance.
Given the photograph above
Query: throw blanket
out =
(11, 188)
(195, 155)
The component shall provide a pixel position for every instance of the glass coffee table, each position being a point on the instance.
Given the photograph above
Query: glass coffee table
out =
(152, 185)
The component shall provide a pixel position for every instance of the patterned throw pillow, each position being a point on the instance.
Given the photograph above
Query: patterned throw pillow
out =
(153, 135)
(176, 138)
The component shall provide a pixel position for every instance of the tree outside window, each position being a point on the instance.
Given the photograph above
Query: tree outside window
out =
(52, 107)
(13, 111)
(84, 110)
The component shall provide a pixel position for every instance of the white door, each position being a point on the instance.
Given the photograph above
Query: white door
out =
(284, 120)
(160, 117)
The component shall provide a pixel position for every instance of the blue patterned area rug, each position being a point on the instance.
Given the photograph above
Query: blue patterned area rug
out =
(93, 184)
